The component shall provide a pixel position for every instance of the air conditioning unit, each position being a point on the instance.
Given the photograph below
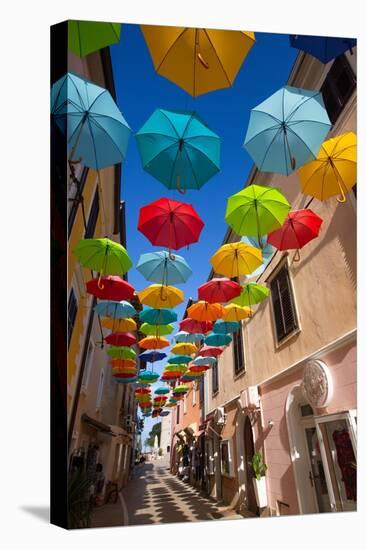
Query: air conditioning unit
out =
(249, 398)
(220, 416)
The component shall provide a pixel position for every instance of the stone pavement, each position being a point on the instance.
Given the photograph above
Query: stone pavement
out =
(155, 496)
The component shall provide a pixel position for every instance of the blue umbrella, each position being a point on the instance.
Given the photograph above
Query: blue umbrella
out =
(204, 360)
(164, 413)
(267, 252)
(287, 129)
(214, 339)
(324, 48)
(186, 337)
(97, 133)
(117, 310)
(179, 359)
(178, 149)
(224, 327)
(161, 267)
(152, 356)
(158, 316)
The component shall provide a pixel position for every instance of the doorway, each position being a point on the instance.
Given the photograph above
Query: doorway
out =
(249, 452)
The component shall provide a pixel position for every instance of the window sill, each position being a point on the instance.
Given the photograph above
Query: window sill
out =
(215, 394)
(278, 345)
(239, 374)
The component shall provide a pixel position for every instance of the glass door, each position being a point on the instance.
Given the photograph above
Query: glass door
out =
(316, 473)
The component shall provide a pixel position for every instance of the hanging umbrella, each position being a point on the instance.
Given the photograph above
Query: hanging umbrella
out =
(120, 325)
(158, 316)
(193, 326)
(148, 377)
(97, 133)
(123, 363)
(186, 337)
(300, 227)
(164, 413)
(203, 311)
(160, 296)
(324, 48)
(217, 340)
(153, 342)
(184, 349)
(156, 330)
(142, 390)
(114, 309)
(172, 367)
(103, 255)
(201, 360)
(211, 350)
(121, 339)
(234, 312)
(334, 171)
(235, 259)
(162, 391)
(160, 267)
(197, 60)
(251, 293)
(170, 223)
(267, 252)
(125, 380)
(287, 130)
(218, 290)
(152, 356)
(122, 352)
(256, 210)
(181, 388)
(225, 327)
(178, 149)
(85, 37)
(198, 368)
(179, 359)
(119, 372)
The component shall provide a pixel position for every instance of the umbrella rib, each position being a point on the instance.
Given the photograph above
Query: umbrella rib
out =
(189, 145)
(170, 122)
(169, 49)
(299, 138)
(270, 129)
(255, 110)
(92, 120)
(193, 172)
(301, 104)
(222, 66)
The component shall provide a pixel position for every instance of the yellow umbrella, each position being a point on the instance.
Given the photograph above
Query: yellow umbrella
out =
(236, 313)
(203, 311)
(153, 342)
(197, 60)
(334, 171)
(160, 296)
(184, 349)
(234, 259)
(119, 325)
(124, 370)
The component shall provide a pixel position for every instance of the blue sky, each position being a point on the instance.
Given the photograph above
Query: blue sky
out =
(140, 90)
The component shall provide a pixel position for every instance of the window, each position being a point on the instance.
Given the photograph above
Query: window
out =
(75, 192)
(88, 363)
(238, 351)
(72, 312)
(185, 404)
(215, 378)
(209, 455)
(100, 390)
(226, 454)
(93, 216)
(202, 388)
(283, 304)
(338, 87)
(178, 407)
(194, 389)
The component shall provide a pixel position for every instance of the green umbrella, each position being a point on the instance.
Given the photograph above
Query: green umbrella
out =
(85, 37)
(122, 352)
(154, 330)
(252, 293)
(256, 210)
(103, 255)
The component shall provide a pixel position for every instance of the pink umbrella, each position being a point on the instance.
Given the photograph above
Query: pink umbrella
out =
(219, 290)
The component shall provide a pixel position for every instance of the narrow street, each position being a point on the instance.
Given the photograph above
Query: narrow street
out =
(155, 496)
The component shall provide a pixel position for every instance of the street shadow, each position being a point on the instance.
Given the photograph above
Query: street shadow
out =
(40, 512)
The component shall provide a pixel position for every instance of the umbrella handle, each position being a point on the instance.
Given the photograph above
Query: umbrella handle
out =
(202, 61)
(343, 196)
(296, 257)
(100, 284)
(179, 189)
(164, 298)
(171, 256)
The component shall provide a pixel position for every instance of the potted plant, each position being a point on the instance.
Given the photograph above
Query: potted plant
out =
(259, 480)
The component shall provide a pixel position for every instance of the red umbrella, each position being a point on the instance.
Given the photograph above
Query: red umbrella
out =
(300, 227)
(210, 351)
(199, 368)
(112, 287)
(124, 375)
(219, 290)
(170, 223)
(193, 327)
(121, 339)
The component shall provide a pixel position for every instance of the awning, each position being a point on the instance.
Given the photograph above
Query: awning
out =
(104, 428)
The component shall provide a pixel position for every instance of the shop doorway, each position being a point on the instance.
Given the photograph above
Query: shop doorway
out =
(249, 452)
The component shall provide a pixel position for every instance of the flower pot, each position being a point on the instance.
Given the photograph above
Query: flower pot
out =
(260, 491)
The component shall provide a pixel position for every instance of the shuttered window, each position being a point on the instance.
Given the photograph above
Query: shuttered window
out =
(72, 311)
(238, 351)
(93, 217)
(338, 87)
(202, 388)
(283, 304)
(215, 378)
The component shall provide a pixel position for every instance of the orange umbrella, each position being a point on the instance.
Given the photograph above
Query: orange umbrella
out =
(124, 370)
(153, 342)
(203, 311)
(123, 363)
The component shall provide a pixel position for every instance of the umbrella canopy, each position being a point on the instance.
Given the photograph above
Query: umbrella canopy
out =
(203, 311)
(251, 293)
(110, 288)
(197, 60)
(193, 326)
(148, 377)
(200, 360)
(225, 327)
(324, 48)
(153, 342)
(121, 339)
(300, 227)
(170, 223)
(161, 296)
(124, 372)
(211, 350)
(235, 259)
(125, 380)
(198, 368)
(120, 325)
(164, 413)
(179, 359)
(178, 149)
(181, 388)
(218, 290)
(217, 340)
(158, 316)
(97, 133)
(334, 171)
(267, 252)
(161, 267)
(122, 352)
(85, 37)
(286, 130)
(233, 312)
(162, 391)
(256, 210)
(103, 255)
(184, 349)
(123, 363)
(114, 309)
(152, 356)
(156, 330)
(142, 390)
(187, 337)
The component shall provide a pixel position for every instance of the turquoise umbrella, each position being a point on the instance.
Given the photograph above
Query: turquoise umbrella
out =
(214, 339)
(117, 310)
(162, 267)
(204, 360)
(162, 391)
(286, 130)
(97, 133)
(178, 149)
(187, 338)
(158, 316)
(179, 359)
(224, 327)
(267, 252)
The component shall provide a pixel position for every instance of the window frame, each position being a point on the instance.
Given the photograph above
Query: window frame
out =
(236, 335)
(215, 387)
(330, 83)
(87, 366)
(70, 331)
(92, 222)
(230, 451)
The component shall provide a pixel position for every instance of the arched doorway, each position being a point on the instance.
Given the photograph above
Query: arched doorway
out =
(249, 452)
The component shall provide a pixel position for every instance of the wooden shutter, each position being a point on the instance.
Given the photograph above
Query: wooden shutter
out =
(283, 304)
(238, 350)
(93, 216)
(215, 378)
(338, 87)
(72, 311)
